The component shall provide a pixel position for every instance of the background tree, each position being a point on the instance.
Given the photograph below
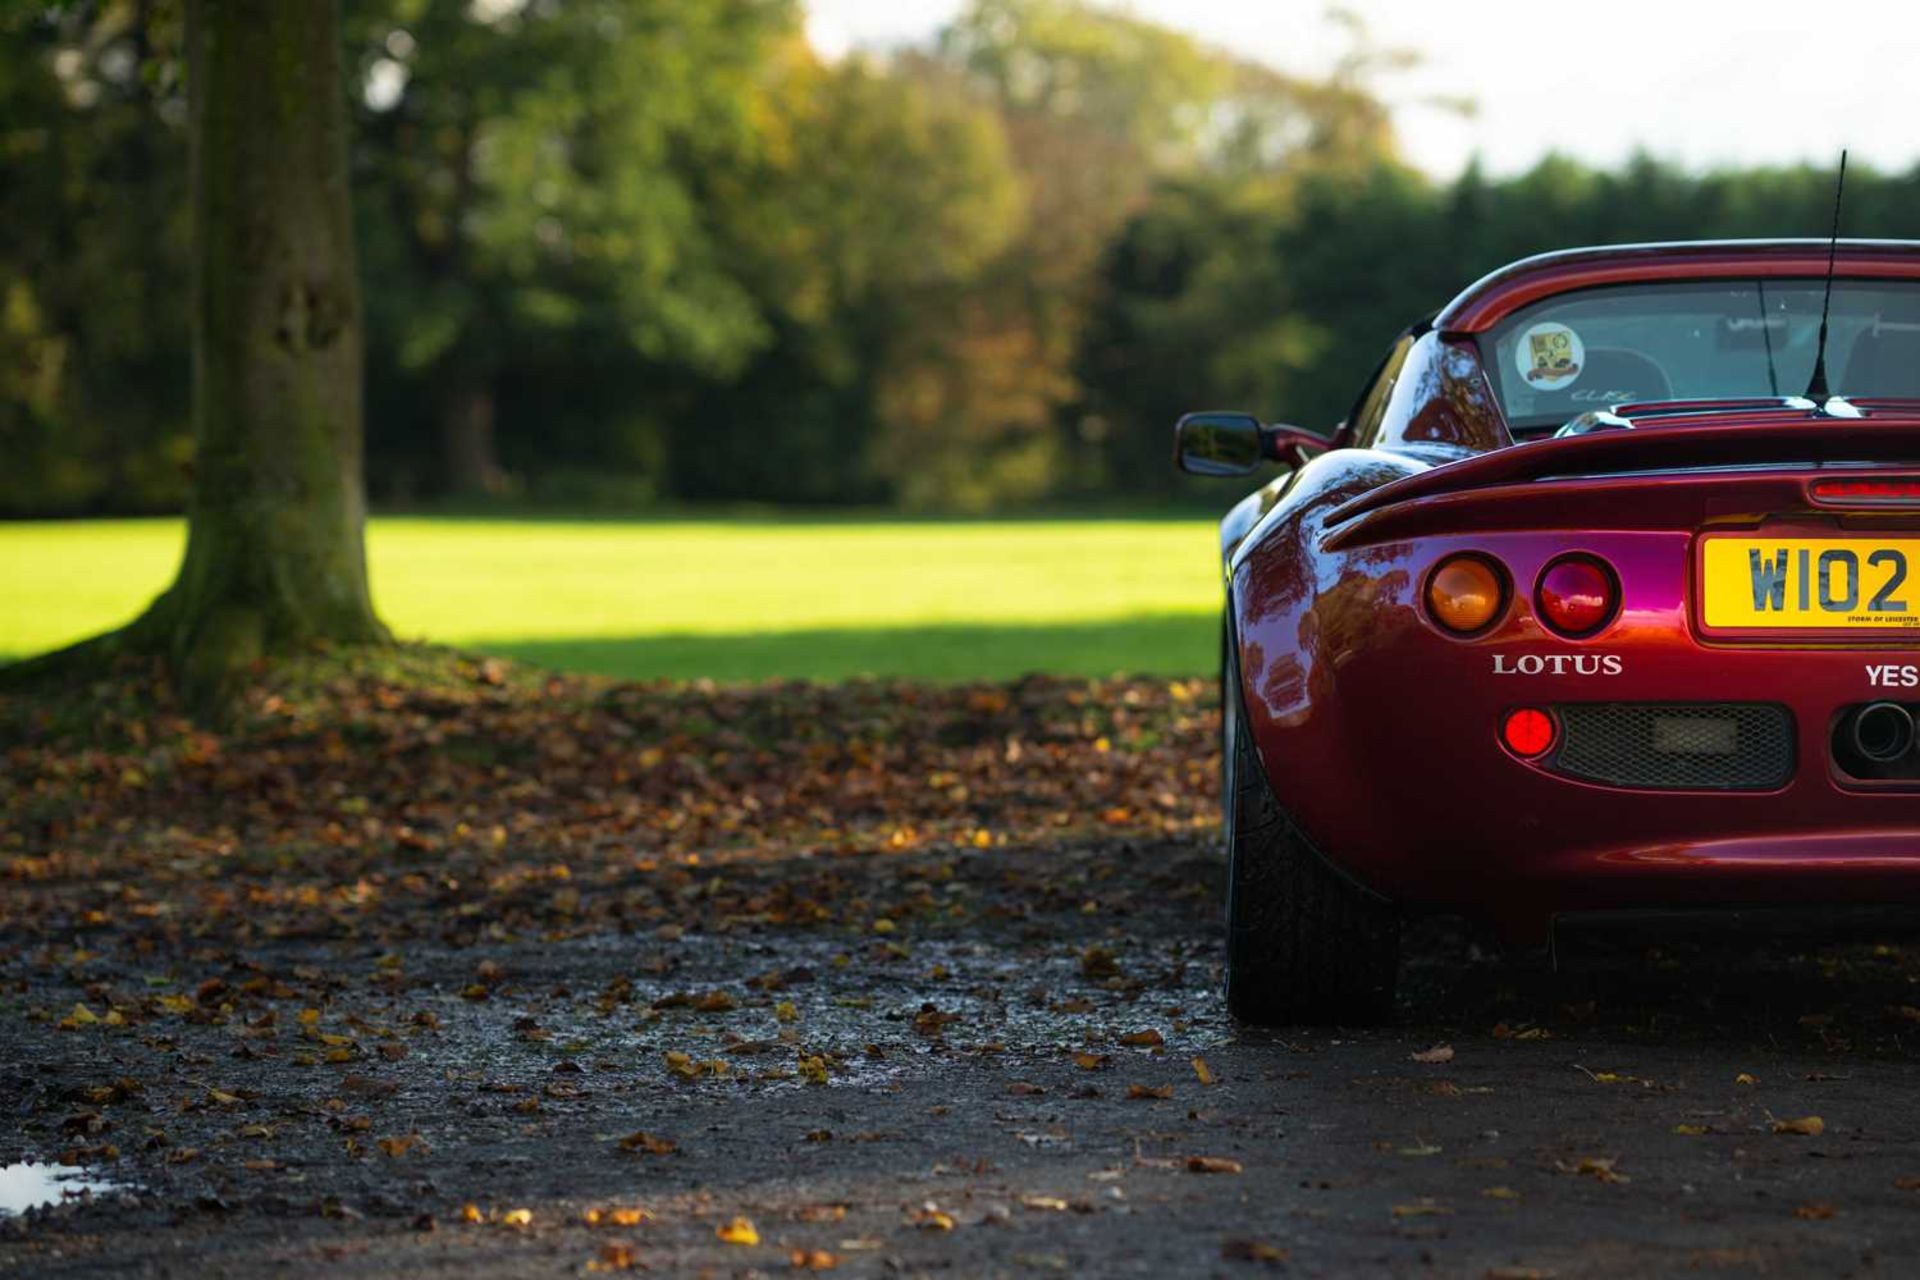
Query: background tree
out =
(882, 197)
(539, 185)
(94, 362)
(977, 274)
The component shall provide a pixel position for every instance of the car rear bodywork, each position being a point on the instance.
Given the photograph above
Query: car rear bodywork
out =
(1691, 766)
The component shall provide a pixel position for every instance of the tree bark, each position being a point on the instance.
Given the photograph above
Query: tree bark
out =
(466, 441)
(275, 547)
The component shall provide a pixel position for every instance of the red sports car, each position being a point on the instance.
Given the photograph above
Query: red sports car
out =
(1605, 597)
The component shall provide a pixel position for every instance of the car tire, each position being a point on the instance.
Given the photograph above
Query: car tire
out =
(1305, 944)
(1229, 727)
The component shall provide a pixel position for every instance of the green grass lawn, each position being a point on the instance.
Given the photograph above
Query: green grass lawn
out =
(734, 600)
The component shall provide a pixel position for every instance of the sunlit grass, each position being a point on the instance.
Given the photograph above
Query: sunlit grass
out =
(731, 600)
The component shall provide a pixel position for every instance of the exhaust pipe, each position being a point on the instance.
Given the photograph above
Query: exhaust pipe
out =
(1883, 731)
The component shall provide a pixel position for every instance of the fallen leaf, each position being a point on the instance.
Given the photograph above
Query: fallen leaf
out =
(1141, 1092)
(397, 1147)
(1805, 1126)
(1252, 1251)
(614, 1256)
(738, 1231)
(625, 1216)
(80, 1017)
(1148, 1038)
(1744, 1078)
(1098, 962)
(1815, 1212)
(1614, 1077)
(650, 1143)
(1501, 1031)
(1212, 1164)
(1421, 1208)
(1203, 1071)
(1439, 1053)
(812, 1260)
(1596, 1167)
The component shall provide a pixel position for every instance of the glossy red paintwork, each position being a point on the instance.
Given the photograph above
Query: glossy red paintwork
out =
(1491, 299)
(1382, 733)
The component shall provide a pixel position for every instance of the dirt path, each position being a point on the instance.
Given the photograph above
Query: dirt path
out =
(1009, 1086)
(449, 967)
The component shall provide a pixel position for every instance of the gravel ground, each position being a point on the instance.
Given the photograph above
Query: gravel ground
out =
(1031, 1073)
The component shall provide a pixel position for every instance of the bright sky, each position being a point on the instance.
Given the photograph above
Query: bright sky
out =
(1703, 82)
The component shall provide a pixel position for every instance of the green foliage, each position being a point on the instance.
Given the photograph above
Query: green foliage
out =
(93, 281)
(629, 251)
(881, 202)
(1278, 295)
(1146, 84)
(535, 195)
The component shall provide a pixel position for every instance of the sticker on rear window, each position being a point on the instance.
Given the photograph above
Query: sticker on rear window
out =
(1550, 356)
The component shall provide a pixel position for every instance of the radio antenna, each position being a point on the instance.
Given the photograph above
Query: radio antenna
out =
(1817, 384)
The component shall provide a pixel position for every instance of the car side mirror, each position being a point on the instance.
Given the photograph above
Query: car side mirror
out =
(1235, 444)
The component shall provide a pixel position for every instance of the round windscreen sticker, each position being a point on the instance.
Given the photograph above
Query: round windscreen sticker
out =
(1550, 356)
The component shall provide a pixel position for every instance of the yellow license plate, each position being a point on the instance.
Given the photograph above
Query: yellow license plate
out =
(1832, 584)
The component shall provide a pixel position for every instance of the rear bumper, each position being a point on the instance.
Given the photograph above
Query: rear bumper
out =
(1381, 732)
(1799, 869)
(1861, 921)
(1391, 760)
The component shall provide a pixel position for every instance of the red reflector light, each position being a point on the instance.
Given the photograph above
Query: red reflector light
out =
(1898, 491)
(1577, 595)
(1527, 732)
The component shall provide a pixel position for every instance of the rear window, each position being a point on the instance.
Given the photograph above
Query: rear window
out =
(1701, 340)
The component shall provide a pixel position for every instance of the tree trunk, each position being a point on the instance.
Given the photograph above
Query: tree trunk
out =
(275, 548)
(466, 441)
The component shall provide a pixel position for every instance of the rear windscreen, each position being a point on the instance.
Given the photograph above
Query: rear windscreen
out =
(1689, 341)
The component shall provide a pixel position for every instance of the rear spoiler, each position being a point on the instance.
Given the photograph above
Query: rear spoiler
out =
(1718, 442)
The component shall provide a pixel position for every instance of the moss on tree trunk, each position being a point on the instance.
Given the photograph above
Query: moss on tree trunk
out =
(275, 549)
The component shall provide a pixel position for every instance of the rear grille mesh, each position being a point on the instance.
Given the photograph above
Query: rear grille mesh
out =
(1705, 746)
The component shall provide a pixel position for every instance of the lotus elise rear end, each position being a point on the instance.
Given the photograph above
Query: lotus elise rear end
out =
(1584, 609)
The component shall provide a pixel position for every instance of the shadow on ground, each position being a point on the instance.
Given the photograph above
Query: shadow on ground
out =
(1168, 644)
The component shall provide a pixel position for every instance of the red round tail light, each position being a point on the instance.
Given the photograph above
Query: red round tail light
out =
(1528, 731)
(1577, 595)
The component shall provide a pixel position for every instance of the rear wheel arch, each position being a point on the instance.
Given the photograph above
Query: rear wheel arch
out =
(1305, 942)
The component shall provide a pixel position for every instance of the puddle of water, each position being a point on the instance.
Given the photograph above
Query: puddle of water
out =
(28, 1186)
